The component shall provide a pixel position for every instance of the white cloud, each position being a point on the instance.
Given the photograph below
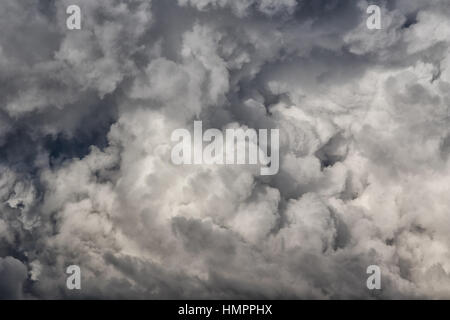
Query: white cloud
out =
(86, 176)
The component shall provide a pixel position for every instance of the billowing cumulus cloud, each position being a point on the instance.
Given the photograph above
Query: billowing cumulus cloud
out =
(86, 176)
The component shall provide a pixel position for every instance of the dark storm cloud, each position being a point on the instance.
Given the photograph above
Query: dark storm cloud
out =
(85, 171)
(12, 276)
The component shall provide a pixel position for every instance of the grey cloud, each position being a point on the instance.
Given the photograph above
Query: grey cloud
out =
(85, 171)
(12, 277)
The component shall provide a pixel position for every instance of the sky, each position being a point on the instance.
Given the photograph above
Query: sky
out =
(86, 176)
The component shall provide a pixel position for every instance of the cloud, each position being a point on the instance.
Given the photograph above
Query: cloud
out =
(242, 8)
(12, 276)
(86, 178)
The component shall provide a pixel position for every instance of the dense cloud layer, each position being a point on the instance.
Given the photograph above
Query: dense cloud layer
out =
(86, 177)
